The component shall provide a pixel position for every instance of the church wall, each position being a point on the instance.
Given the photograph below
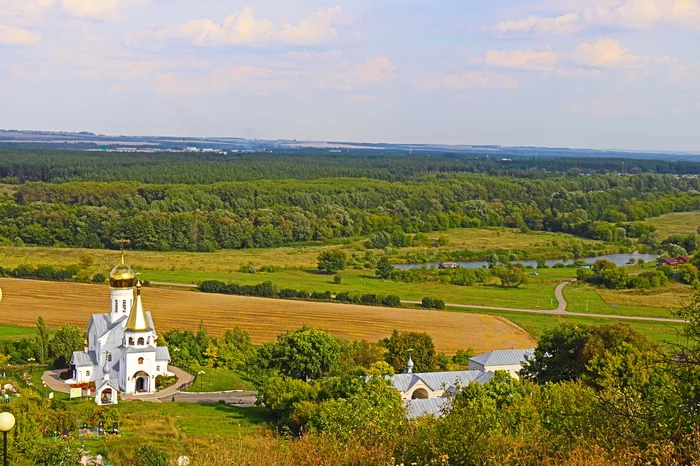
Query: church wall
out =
(121, 300)
(132, 367)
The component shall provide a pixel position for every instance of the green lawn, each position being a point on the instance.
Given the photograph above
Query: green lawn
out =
(220, 380)
(578, 296)
(538, 291)
(537, 324)
(16, 332)
(678, 222)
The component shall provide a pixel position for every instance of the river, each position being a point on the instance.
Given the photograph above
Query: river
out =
(618, 259)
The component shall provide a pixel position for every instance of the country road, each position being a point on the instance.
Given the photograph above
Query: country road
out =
(558, 293)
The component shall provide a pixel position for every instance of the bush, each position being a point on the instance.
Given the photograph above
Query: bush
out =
(392, 301)
(337, 280)
(433, 303)
(325, 296)
(247, 268)
(99, 278)
(150, 455)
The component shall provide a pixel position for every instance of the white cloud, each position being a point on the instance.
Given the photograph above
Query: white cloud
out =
(89, 9)
(466, 80)
(243, 28)
(520, 59)
(684, 75)
(564, 24)
(605, 53)
(18, 36)
(622, 14)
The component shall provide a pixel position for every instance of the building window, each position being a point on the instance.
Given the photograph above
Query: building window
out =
(148, 340)
(116, 305)
(140, 360)
(87, 373)
(140, 342)
(109, 357)
(124, 305)
(131, 341)
(158, 368)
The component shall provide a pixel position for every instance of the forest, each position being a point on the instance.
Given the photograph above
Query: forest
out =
(322, 198)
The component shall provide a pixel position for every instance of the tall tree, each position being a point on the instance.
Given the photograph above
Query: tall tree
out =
(332, 261)
(303, 354)
(41, 341)
(67, 339)
(420, 346)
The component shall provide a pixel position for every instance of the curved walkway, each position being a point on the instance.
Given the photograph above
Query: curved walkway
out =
(560, 310)
(52, 380)
(558, 293)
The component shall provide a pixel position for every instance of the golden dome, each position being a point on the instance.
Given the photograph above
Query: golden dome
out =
(122, 276)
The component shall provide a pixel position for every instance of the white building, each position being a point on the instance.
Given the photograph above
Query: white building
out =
(121, 354)
(501, 360)
(428, 392)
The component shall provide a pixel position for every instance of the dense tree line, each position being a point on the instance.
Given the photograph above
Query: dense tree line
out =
(271, 213)
(59, 166)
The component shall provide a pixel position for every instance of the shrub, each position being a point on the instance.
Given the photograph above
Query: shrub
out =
(99, 278)
(432, 303)
(392, 301)
(150, 455)
(337, 280)
(325, 296)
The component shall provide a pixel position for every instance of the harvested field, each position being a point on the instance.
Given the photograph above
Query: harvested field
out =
(73, 303)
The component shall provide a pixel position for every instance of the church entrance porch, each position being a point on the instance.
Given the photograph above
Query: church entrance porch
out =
(142, 382)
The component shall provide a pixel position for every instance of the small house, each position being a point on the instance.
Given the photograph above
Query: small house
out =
(683, 260)
(670, 261)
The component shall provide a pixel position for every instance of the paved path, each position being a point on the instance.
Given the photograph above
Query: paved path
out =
(51, 379)
(560, 310)
(558, 293)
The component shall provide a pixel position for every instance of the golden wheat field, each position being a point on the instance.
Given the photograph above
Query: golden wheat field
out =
(23, 301)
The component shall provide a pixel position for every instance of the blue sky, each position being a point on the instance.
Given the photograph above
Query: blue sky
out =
(577, 73)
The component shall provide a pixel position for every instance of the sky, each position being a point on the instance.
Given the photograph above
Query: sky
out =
(602, 74)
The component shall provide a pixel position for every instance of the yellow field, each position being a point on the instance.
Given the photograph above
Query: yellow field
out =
(680, 222)
(73, 303)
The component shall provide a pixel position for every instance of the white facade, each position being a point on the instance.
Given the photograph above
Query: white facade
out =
(510, 361)
(122, 353)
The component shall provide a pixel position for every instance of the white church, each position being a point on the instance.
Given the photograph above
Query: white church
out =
(122, 355)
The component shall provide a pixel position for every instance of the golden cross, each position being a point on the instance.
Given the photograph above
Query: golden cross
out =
(122, 242)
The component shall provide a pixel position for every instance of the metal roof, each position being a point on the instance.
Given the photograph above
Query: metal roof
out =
(439, 380)
(504, 357)
(82, 359)
(430, 406)
(162, 353)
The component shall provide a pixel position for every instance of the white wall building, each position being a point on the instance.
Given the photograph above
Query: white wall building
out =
(427, 392)
(122, 354)
(501, 360)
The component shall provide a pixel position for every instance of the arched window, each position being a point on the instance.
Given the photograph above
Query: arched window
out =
(148, 340)
(141, 342)
(116, 305)
(131, 341)
(140, 360)
(158, 368)
(87, 373)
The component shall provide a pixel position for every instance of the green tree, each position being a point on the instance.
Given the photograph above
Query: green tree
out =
(384, 268)
(41, 341)
(332, 261)
(304, 354)
(462, 357)
(67, 339)
(541, 262)
(420, 346)
(562, 353)
(511, 276)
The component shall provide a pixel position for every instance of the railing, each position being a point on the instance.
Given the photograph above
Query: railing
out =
(190, 371)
